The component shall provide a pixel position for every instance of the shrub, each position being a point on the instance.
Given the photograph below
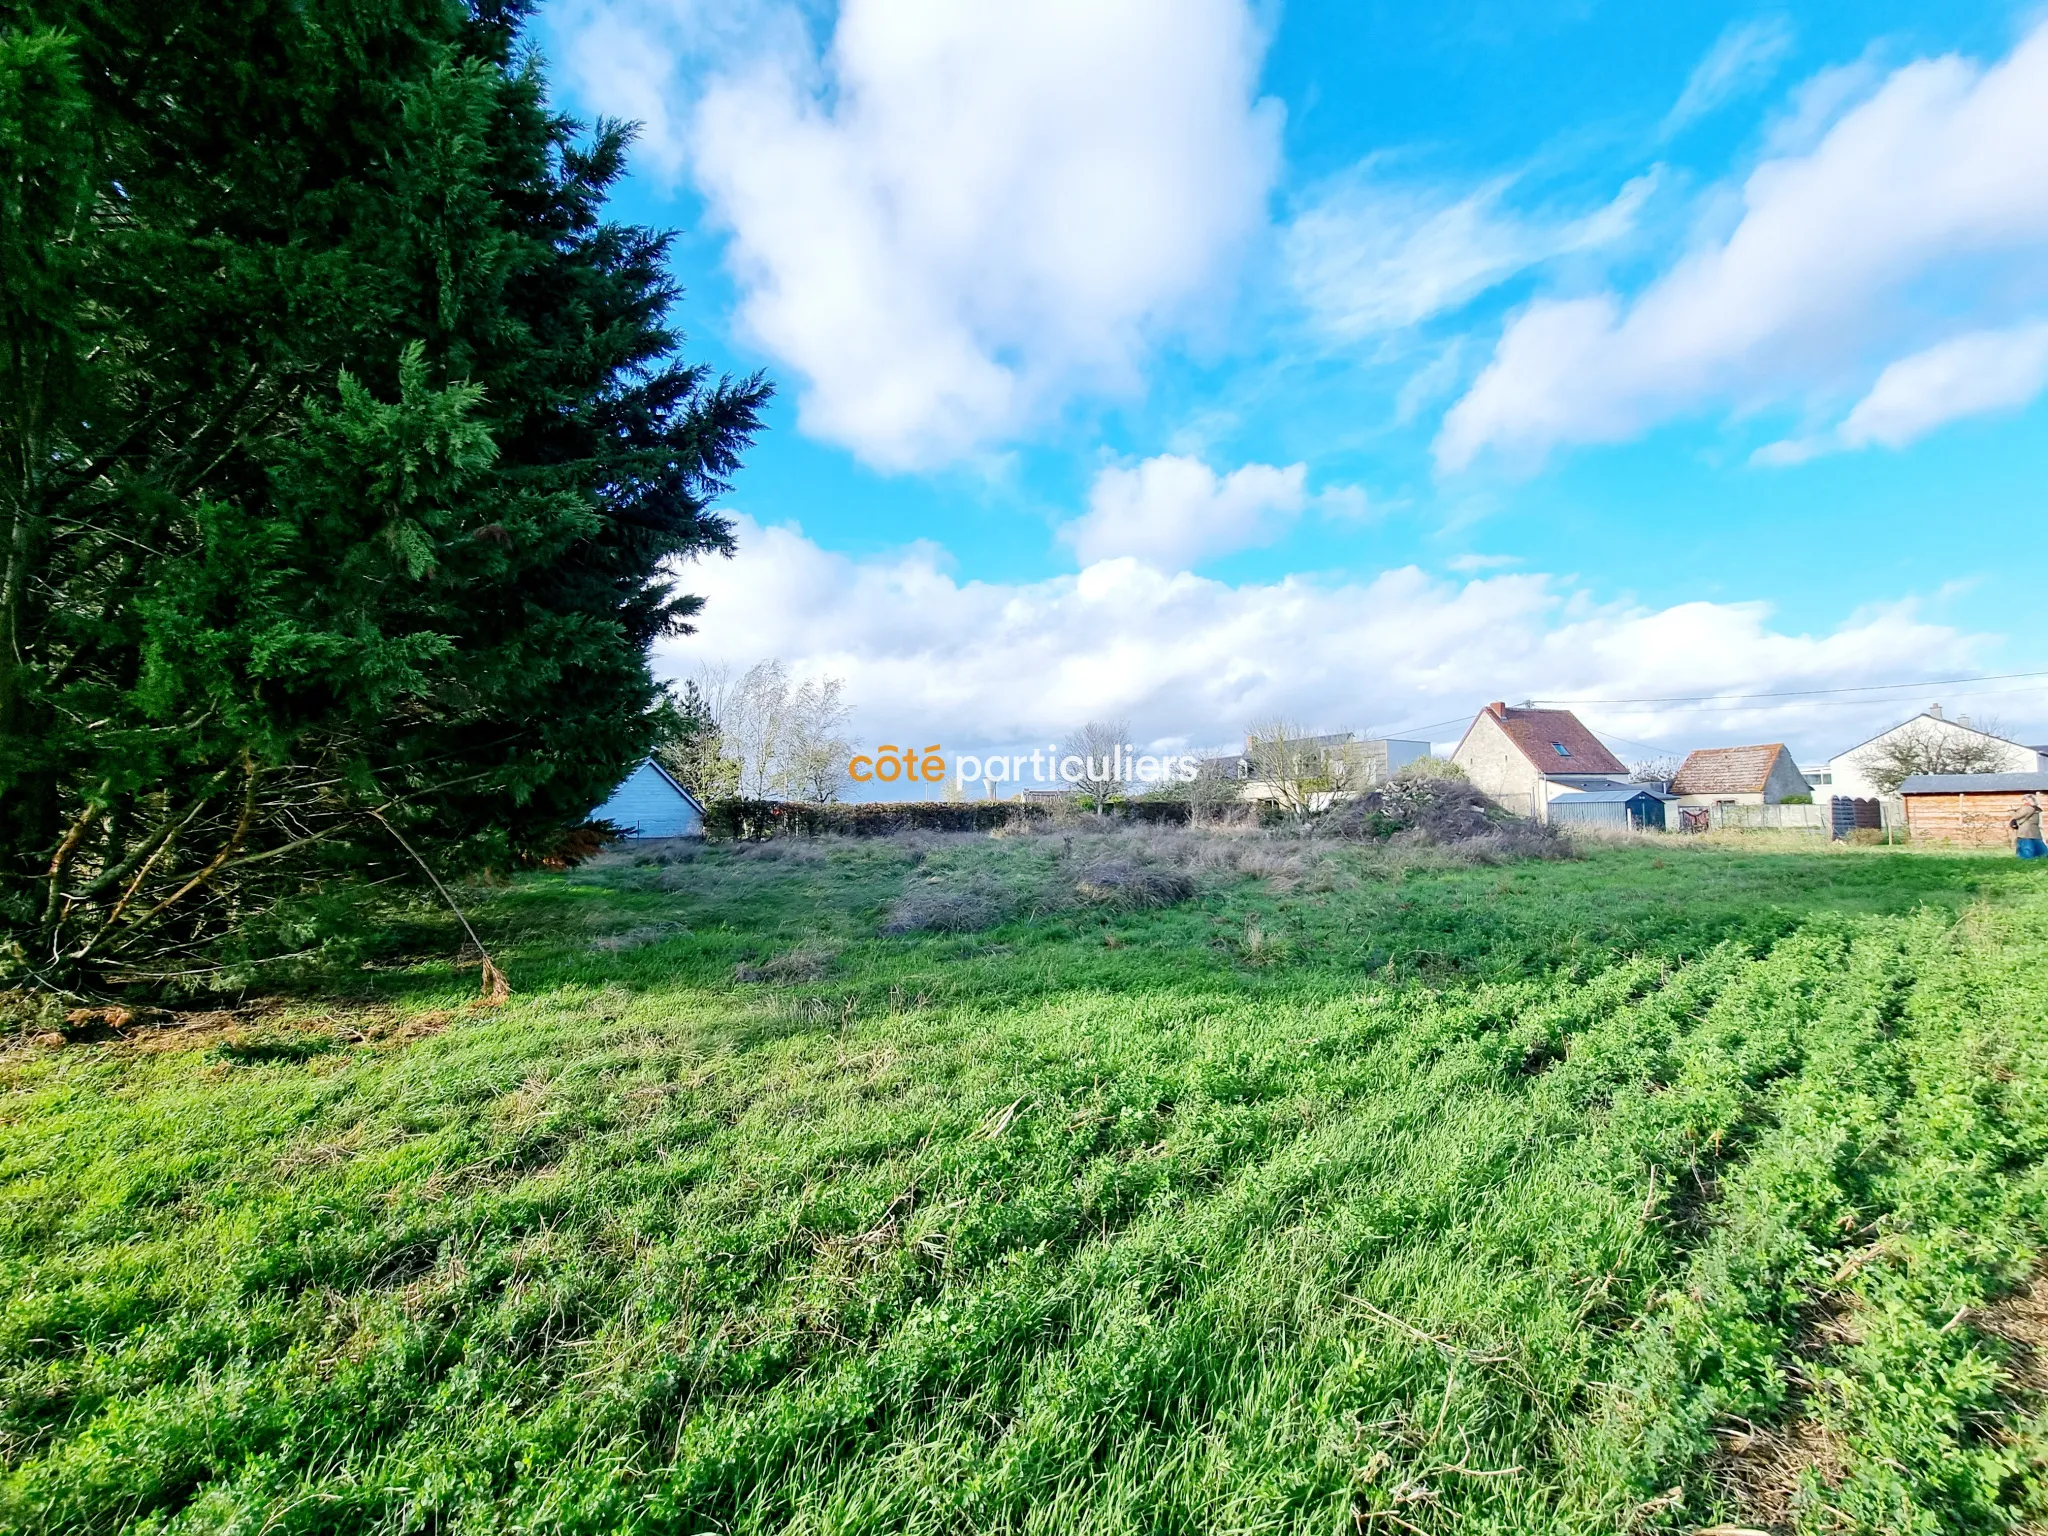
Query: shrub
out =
(739, 820)
(1126, 883)
(1430, 767)
(804, 963)
(938, 908)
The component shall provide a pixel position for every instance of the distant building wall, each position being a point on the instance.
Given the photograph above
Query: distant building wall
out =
(1401, 753)
(1849, 774)
(1786, 780)
(1498, 770)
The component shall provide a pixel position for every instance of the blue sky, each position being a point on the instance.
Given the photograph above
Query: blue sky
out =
(1198, 363)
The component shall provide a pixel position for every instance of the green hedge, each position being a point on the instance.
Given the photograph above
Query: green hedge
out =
(754, 820)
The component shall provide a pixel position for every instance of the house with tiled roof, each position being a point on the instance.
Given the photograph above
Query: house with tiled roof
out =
(1523, 759)
(1760, 775)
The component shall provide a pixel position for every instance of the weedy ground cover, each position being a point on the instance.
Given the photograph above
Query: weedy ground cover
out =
(1165, 1182)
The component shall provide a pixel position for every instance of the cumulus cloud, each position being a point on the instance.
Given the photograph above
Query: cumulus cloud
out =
(1930, 194)
(1173, 512)
(1964, 376)
(1193, 660)
(1742, 59)
(957, 217)
(1368, 256)
(1967, 375)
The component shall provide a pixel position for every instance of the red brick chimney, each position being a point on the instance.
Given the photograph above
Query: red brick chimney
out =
(1497, 709)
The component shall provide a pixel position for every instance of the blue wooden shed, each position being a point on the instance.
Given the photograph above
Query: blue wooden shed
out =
(1621, 807)
(652, 804)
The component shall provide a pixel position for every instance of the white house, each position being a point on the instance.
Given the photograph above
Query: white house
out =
(652, 804)
(1848, 774)
(1523, 759)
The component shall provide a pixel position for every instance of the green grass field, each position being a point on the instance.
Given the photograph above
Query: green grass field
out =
(1361, 1191)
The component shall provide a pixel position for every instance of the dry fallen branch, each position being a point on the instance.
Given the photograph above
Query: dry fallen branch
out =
(495, 987)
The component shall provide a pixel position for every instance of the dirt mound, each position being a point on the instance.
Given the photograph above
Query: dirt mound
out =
(1445, 813)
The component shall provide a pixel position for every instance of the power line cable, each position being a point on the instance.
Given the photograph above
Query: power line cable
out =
(1404, 730)
(1814, 703)
(1732, 703)
(1805, 693)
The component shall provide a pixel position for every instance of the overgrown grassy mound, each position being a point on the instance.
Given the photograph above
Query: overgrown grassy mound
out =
(1328, 1187)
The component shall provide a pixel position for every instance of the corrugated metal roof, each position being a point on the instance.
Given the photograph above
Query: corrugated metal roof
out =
(1727, 770)
(1974, 784)
(1608, 796)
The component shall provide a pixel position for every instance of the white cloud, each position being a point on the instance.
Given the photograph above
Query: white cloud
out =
(1345, 504)
(1743, 59)
(1938, 182)
(1816, 103)
(1432, 382)
(633, 59)
(617, 58)
(1172, 512)
(1964, 376)
(961, 216)
(1193, 660)
(1366, 256)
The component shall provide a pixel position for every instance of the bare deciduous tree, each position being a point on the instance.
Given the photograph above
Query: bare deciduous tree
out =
(815, 745)
(753, 719)
(1216, 786)
(1928, 748)
(1098, 745)
(1296, 768)
(786, 738)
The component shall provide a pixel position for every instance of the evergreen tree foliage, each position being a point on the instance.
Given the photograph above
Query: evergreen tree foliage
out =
(692, 746)
(345, 458)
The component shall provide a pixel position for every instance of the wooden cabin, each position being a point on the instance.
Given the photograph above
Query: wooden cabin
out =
(652, 804)
(1969, 809)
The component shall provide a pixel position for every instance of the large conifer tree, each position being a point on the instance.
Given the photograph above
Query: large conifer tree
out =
(343, 453)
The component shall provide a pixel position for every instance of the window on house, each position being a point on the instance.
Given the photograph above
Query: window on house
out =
(1560, 749)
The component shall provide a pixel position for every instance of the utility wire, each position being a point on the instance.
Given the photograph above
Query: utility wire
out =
(1806, 693)
(1730, 703)
(1407, 729)
(1725, 709)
